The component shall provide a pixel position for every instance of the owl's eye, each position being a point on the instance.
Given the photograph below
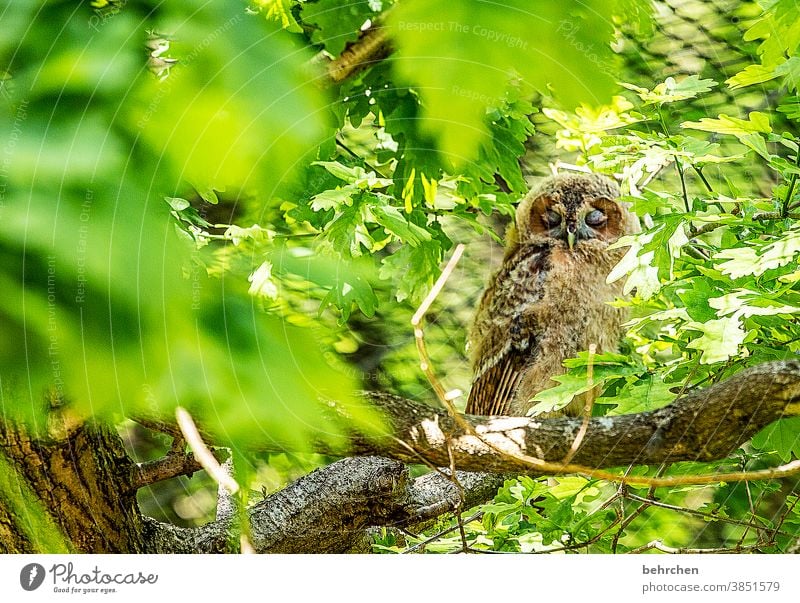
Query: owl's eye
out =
(552, 218)
(595, 218)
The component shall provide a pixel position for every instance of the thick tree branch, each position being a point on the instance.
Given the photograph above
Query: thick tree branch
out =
(330, 510)
(703, 425)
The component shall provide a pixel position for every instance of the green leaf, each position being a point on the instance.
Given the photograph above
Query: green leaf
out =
(781, 252)
(642, 395)
(337, 22)
(412, 269)
(355, 175)
(695, 298)
(779, 28)
(347, 232)
(334, 198)
(788, 69)
(720, 340)
(396, 223)
(672, 90)
(650, 255)
(350, 291)
(235, 113)
(782, 436)
(576, 382)
(790, 107)
(755, 123)
(741, 261)
(280, 11)
(262, 283)
(752, 74)
(746, 303)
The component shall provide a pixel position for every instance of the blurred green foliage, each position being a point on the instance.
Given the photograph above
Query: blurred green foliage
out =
(102, 304)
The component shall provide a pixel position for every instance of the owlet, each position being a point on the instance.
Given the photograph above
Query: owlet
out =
(549, 300)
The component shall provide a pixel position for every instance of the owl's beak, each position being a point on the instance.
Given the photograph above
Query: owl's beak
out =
(571, 236)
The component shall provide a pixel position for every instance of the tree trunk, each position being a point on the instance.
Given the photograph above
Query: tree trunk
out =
(77, 482)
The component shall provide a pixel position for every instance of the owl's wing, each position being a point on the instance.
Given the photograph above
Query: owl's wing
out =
(504, 332)
(494, 386)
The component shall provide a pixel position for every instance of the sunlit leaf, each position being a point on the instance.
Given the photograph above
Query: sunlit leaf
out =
(720, 340)
(672, 90)
(755, 123)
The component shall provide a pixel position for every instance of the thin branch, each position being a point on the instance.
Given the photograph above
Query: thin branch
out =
(372, 47)
(683, 186)
(705, 516)
(784, 515)
(774, 215)
(660, 546)
(652, 176)
(703, 179)
(461, 498)
(588, 405)
(440, 534)
(158, 424)
(764, 216)
(168, 467)
(787, 200)
(419, 335)
(425, 365)
(202, 453)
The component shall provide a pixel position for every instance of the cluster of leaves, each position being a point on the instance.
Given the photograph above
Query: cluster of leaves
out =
(432, 139)
(575, 514)
(204, 105)
(713, 273)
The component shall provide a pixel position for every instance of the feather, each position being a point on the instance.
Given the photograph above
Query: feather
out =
(493, 388)
(503, 331)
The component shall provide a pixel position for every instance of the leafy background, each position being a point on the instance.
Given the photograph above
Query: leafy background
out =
(193, 213)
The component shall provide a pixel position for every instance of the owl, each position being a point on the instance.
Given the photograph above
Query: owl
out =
(549, 300)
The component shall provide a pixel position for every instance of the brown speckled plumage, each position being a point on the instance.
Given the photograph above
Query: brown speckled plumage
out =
(549, 300)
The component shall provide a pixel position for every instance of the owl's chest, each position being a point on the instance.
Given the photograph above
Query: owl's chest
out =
(565, 295)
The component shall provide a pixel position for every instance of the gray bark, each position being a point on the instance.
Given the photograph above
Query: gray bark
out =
(331, 509)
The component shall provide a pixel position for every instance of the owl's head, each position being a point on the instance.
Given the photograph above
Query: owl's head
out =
(574, 208)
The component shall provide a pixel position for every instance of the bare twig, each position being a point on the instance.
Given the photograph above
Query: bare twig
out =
(588, 405)
(201, 451)
(444, 532)
(419, 334)
(784, 515)
(660, 546)
(425, 365)
(461, 498)
(170, 466)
